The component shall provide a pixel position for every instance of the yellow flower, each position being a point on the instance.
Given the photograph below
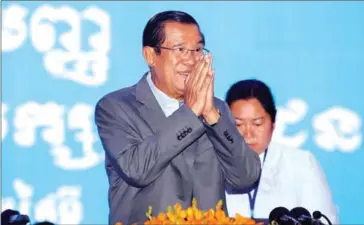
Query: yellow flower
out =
(193, 216)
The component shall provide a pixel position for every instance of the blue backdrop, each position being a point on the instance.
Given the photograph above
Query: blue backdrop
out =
(59, 58)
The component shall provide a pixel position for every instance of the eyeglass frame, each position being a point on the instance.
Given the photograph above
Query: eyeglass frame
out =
(188, 50)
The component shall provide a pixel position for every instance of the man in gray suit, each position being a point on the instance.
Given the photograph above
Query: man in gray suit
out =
(167, 139)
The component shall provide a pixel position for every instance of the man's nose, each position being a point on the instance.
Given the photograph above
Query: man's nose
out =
(189, 58)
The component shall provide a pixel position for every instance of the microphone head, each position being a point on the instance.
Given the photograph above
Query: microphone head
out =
(302, 215)
(7, 214)
(299, 211)
(19, 219)
(277, 213)
(317, 215)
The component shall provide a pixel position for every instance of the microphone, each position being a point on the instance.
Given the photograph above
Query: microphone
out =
(281, 216)
(317, 215)
(19, 219)
(7, 214)
(304, 216)
(13, 217)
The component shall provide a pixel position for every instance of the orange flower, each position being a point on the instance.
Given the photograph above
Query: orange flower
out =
(193, 216)
(162, 216)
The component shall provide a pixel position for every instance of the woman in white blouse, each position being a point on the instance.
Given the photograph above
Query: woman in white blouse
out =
(290, 177)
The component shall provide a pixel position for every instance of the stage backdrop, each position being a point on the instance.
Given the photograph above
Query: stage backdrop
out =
(59, 58)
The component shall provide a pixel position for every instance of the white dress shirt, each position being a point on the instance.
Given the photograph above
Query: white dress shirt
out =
(290, 178)
(169, 105)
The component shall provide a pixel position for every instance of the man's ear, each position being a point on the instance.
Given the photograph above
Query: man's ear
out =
(149, 55)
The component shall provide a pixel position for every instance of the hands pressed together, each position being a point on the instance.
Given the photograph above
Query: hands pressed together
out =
(199, 90)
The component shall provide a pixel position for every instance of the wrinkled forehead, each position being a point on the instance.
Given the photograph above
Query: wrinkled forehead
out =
(180, 34)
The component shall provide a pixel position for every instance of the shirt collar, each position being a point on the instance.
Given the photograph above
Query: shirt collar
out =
(163, 99)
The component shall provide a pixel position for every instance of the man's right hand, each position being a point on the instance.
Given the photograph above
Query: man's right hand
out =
(196, 85)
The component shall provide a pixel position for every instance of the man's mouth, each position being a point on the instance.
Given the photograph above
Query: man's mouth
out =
(185, 73)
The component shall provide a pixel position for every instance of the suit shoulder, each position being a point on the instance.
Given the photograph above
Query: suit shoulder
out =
(219, 102)
(121, 95)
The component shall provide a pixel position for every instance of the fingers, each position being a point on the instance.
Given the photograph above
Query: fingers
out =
(192, 79)
(204, 71)
(210, 82)
(211, 74)
(197, 77)
(207, 86)
(210, 68)
(205, 78)
(198, 85)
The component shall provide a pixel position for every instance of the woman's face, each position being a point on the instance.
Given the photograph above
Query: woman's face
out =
(253, 123)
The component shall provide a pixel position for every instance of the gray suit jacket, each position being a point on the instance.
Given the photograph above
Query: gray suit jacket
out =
(156, 161)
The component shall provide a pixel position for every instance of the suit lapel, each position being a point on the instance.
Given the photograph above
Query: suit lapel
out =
(150, 109)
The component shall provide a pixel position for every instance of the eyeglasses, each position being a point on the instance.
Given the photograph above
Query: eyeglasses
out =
(181, 51)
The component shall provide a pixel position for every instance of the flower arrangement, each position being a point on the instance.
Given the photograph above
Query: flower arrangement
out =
(193, 216)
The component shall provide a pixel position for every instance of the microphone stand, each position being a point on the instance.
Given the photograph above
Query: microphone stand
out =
(327, 219)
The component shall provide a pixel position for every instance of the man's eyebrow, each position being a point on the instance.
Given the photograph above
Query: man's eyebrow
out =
(178, 45)
(258, 118)
(200, 42)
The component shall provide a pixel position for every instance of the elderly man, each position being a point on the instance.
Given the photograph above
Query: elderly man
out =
(167, 138)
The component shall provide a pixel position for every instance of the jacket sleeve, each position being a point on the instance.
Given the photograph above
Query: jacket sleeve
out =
(240, 164)
(139, 161)
(315, 191)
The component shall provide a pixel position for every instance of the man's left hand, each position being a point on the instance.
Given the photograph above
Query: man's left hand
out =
(210, 113)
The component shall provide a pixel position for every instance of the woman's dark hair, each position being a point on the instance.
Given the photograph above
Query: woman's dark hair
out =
(250, 89)
(153, 34)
